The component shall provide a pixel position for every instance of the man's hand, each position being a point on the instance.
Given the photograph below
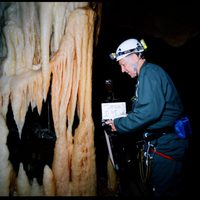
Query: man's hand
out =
(111, 124)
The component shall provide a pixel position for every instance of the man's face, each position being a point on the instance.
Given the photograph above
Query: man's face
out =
(127, 64)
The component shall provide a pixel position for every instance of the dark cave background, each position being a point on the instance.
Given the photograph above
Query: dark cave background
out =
(172, 34)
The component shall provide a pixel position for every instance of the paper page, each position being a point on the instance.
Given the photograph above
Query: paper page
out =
(113, 110)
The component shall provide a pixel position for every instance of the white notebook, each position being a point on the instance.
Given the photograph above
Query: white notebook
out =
(113, 110)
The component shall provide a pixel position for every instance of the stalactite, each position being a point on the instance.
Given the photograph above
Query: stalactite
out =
(45, 33)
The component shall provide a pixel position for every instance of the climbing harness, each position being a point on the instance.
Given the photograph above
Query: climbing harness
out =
(145, 156)
(146, 153)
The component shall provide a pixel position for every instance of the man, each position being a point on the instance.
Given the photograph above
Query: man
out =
(156, 107)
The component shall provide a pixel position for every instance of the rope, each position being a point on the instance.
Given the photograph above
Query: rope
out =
(144, 168)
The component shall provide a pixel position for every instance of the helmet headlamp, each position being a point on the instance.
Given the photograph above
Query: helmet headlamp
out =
(112, 56)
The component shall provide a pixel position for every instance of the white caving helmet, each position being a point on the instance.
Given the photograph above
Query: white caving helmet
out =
(128, 47)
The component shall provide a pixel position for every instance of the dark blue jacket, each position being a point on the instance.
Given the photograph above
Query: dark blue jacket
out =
(157, 105)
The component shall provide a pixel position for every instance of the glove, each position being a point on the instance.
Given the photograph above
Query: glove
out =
(108, 128)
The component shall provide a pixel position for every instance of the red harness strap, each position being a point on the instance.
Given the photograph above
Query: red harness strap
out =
(162, 154)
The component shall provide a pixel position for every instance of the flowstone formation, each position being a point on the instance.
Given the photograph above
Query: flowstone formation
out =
(46, 56)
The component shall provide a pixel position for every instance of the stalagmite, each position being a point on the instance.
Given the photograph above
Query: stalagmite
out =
(50, 43)
(48, 182)
(5, 165)
(36, 189)
(22, 183)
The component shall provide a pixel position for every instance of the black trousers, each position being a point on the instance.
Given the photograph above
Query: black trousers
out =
(167, 177)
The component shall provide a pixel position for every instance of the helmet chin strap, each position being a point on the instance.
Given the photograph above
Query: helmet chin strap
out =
(135, 68)
(135, 65)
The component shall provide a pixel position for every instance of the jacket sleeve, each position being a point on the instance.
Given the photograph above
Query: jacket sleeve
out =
(148, 108)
